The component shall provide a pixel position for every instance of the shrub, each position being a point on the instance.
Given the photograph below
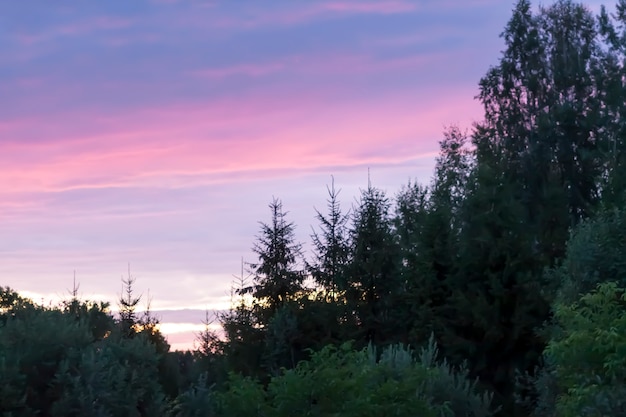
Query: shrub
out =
(589, 354)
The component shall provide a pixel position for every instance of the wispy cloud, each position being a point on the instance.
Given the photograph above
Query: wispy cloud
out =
(379, 7)
(337, 64)
(73, 28)
(212, 146)
(289, 15)
(251, 70)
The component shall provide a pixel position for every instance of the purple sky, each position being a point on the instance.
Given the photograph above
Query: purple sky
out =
(155, 133)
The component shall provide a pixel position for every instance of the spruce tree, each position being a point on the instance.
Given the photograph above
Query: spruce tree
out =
(428, 222)
(243, 342)
(374, 284)
(127, 304)
(277, 277)
(331, 247)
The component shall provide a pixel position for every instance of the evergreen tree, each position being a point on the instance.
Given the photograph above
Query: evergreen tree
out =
(374, 285)
(127, 304)
(428, 224)
(277, 279)
(116, 377)
(331, 248)
(208, 339)
(416, 264)
(322, 320)
(35, 348)
(243, 343)
(496, 300)
(148, 325)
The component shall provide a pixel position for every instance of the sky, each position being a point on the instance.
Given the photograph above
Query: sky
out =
(154, 133)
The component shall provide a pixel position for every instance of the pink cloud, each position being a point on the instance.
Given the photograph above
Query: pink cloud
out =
(253, 70)
(222, 141)
(312, 11)
(333, 64)
(106, 23)
(94, 24)
(384, 7)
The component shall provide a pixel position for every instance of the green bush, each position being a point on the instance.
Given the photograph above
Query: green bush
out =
(343, 382)
(596, 253)
(589, 354)
(243, 397)
(196, 401)
(67, 363)
(452, 388)
(115, 377)
(32, 351)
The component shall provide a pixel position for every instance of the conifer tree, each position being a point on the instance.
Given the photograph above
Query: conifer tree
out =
(496, 301)
(127, 304)
(277, 279)
(374, 284)
(428, 223)
(323, 319)
(243, 342)
(416, 268)
(331, 247)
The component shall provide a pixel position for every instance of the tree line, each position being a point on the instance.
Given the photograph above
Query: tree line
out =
(495, 289)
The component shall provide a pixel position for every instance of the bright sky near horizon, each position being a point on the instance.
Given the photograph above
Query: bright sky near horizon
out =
(156, 132)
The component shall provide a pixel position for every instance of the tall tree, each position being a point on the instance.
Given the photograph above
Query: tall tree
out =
(127, 304)
(277, 277)
(374, 284)
(611, 90)
(540, 163)
(541, 117)
(428, 223)
(496, 301)
(415, 263)
(322, 319)
(331, 247)
(243, 342)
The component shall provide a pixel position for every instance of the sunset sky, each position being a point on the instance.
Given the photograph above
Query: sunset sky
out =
(156, 132)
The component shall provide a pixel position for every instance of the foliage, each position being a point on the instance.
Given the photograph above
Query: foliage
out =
(72, 361)
(589, 354)
(196, 401)
(453, 387)
(243, 342)
(33, 350)
(341, 381)
(118, 377)
(374, 285)
(276, 277)
(127, 304)
(331, 248)
(596, 253)
(243, 396)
